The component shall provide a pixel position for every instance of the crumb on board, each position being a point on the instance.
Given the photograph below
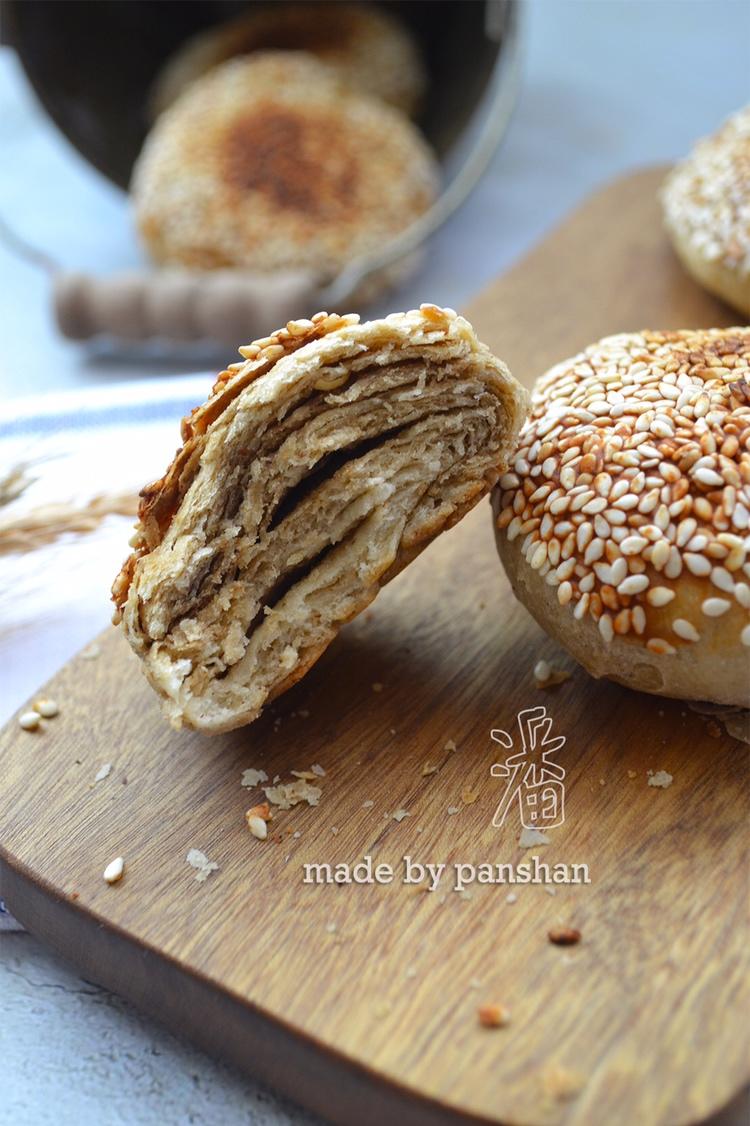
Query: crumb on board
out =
(114, 870)
(103, 772)
(453, 810)
(318, 770)
(531, 837)
(377, 686)
(549, 889)
(411, 971)
(429, 768)
(511, 897)
(632, 774)
(368, 804)
(331, 927)
(561, 1083)
(203, 866)
(292, 793)
(493, 1016)
(400, 814)
(450, 746)
(253, 777)
(468, 796)
(662, 779)
(564, 936)
(90, 653)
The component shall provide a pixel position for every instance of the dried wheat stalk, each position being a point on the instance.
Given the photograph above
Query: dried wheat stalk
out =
(45, 524)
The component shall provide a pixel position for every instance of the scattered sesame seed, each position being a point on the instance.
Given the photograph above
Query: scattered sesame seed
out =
(103, 772)
(46, 707)
(511, 897)
(257, 827)
(493, 1016)
(114, 870)
(453, 810)
(29, 721)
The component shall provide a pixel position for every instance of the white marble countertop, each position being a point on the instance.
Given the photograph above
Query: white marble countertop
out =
(608, 86)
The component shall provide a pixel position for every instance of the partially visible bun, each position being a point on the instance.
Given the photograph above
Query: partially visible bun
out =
(367, 47)
(269, 164)
(706, 202)
(624, 521)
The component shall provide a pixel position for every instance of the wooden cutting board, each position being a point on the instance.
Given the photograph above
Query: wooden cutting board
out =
(361, 1000)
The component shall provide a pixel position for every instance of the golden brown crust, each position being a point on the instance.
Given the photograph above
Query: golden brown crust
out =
(269, 164)
(624, 520)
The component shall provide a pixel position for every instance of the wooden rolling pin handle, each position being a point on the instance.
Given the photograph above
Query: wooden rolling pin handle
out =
(223, 305)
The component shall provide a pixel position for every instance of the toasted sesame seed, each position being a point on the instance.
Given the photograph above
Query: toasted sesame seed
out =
(633, 584)
(715, 607)
(686, 630)
(745, 635)
(29, 721)
(659, 596)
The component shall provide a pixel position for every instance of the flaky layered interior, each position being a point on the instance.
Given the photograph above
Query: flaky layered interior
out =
(314, 486)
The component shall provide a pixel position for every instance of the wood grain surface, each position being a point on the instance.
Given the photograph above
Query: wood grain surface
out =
(361, 1000)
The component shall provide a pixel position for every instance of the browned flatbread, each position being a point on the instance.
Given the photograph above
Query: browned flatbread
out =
(313, 474)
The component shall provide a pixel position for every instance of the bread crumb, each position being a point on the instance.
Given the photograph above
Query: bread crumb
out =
(661, 778)
(632, 774)
(103, 772)
(450, 746)
(296, 835)
(453, 810)
(511, 897)
(252, 777)
(429, 768)
(550, 890)
(531, 837)
(90, 653)
(411, 971)
(368, 804)
(493, 1016)
(377, 687)
(114, 870)
(318, 770)
(335, 830)
(292, 793)
(331, 928)
(468, 797)
(203, 866)
(400, 814)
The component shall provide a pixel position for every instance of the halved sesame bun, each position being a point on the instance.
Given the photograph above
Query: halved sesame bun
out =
(706, 201)
(316, 471)
(268, 163)
(368, 47)
(623, 522)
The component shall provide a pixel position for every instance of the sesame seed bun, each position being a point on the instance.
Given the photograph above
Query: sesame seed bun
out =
(706, 201)
(268, 163)
(366, 46)
(623, 522)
